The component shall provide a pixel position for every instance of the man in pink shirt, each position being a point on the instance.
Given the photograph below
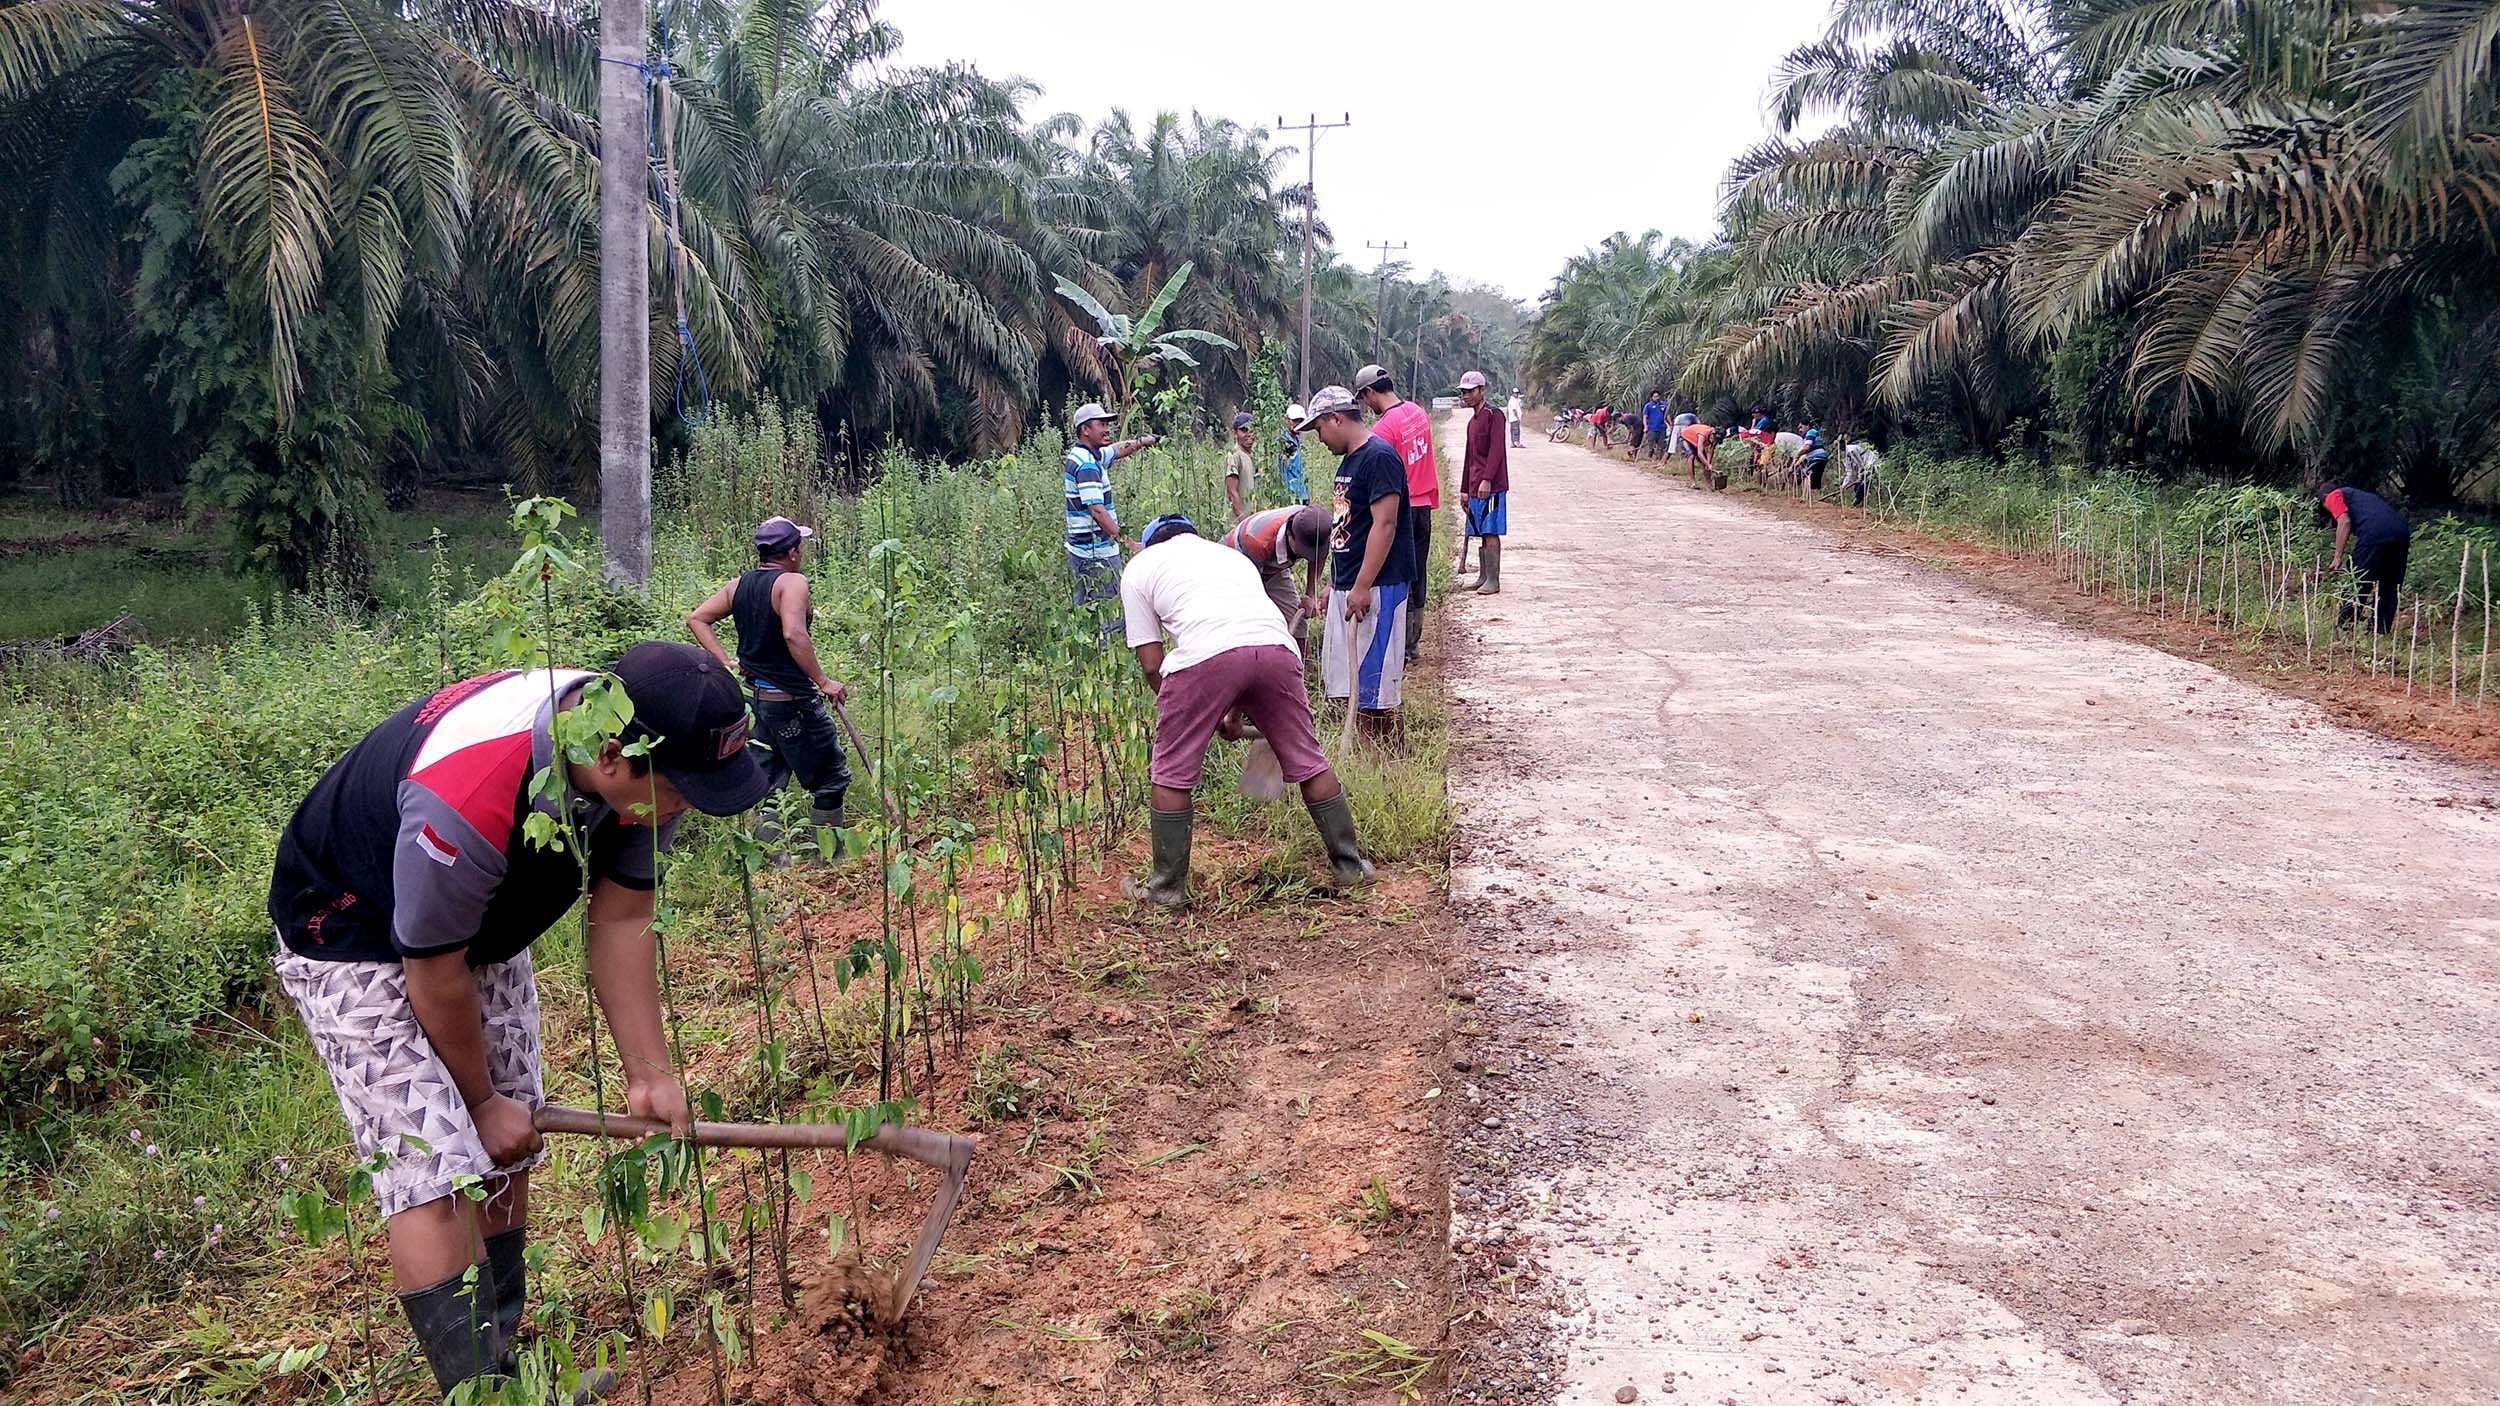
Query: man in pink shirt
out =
(1408, 429)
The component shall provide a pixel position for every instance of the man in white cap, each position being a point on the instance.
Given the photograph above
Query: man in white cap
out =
(1297, 488)
(1484, 476)
(1408, 429)
(1516, 411)
(1374, 562)
(1239, 467)
(1093, 521)
(794, 696)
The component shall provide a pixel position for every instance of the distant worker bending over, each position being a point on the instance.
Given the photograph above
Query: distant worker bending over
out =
(1274, 539)
(1228, 655)
(2381, 540)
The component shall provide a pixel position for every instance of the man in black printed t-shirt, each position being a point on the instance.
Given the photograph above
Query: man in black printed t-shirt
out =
(406, 894)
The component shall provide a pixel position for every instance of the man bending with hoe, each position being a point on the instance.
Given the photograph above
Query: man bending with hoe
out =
(1273, 540)
(1228, 653)
(794, 699)
(409, 886)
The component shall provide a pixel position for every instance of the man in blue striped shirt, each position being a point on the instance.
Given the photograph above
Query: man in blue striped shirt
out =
(1093, 524)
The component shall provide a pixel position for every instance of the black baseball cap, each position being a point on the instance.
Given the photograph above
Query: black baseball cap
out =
(1242, 420)
(698, 714)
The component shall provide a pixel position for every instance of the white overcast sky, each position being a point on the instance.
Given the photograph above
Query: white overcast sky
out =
(1540, 95)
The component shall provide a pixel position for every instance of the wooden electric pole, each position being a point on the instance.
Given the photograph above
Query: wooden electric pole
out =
(1310, 217)
(624, 292)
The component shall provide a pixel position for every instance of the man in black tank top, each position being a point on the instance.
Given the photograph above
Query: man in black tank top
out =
(794, 700)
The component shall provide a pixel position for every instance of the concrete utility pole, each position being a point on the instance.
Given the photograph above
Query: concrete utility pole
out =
(1310, 217)
(1380, 315)
(624, 292)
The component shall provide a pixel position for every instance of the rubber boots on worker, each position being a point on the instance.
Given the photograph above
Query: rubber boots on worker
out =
(830, 840)
(508, 1274)
(508, 1288)
(768, 832)
(454, 1322)
(1169, 883)
(1489, 578)
(1335, 819)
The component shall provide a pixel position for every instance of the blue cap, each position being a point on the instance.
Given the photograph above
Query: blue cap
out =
(1157, 528)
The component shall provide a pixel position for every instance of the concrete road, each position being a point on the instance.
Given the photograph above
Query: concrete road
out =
(1907, 999)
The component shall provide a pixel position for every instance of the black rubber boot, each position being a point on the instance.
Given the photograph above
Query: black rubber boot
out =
(455, 1328)
(508, 1274)
(1335, 819)
(1169, 883)
(508, 1265)
(830, 818)
(1489, 577)
(769, 834)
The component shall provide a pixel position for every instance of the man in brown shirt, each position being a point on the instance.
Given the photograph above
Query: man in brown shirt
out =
(1485, 479)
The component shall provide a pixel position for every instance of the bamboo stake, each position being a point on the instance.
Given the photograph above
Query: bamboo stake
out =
(2308, 629)
(2413, 653)
(2456, 624)
(2482, 668)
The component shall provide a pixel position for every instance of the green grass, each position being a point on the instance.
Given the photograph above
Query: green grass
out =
(63, 572)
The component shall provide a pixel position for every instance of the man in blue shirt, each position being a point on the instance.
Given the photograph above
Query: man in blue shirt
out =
(1654, 420)
(1093, 523)
(1297, 488)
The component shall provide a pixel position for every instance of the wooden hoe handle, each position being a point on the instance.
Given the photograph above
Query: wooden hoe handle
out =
(950, 1153)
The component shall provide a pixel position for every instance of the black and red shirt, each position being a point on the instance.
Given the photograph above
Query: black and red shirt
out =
(2374, 520)
(411, 845)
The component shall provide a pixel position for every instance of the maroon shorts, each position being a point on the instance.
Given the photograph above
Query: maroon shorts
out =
(1263, 680)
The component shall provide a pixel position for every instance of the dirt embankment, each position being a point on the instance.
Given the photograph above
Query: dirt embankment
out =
(1208, 1161)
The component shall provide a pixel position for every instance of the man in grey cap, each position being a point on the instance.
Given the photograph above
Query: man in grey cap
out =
(1239, 467)
(1093, 522)
(1374, 562)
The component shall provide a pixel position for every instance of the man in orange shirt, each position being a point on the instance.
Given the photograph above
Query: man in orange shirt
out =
(1408, 429)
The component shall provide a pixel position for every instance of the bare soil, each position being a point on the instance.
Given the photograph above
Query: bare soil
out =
(1243, 1102)
(1888, 994)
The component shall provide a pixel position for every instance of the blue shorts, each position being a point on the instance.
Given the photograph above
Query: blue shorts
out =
(1490, 516)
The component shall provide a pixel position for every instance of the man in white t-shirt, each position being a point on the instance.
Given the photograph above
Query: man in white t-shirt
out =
(1515, 412)
(1228, 655)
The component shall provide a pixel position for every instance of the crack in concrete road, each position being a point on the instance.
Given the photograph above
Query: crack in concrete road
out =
(1897, 997)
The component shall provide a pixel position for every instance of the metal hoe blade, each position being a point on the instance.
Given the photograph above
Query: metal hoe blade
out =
(950, 1153)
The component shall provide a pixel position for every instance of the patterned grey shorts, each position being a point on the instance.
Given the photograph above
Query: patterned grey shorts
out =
(390, 1084)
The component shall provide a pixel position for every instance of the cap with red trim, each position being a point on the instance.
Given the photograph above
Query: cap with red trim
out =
(694, 707)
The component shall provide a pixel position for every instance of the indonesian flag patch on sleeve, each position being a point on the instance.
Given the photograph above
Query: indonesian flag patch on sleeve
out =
(436, 848)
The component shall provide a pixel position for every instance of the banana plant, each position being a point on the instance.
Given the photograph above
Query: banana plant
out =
(1139, 346)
